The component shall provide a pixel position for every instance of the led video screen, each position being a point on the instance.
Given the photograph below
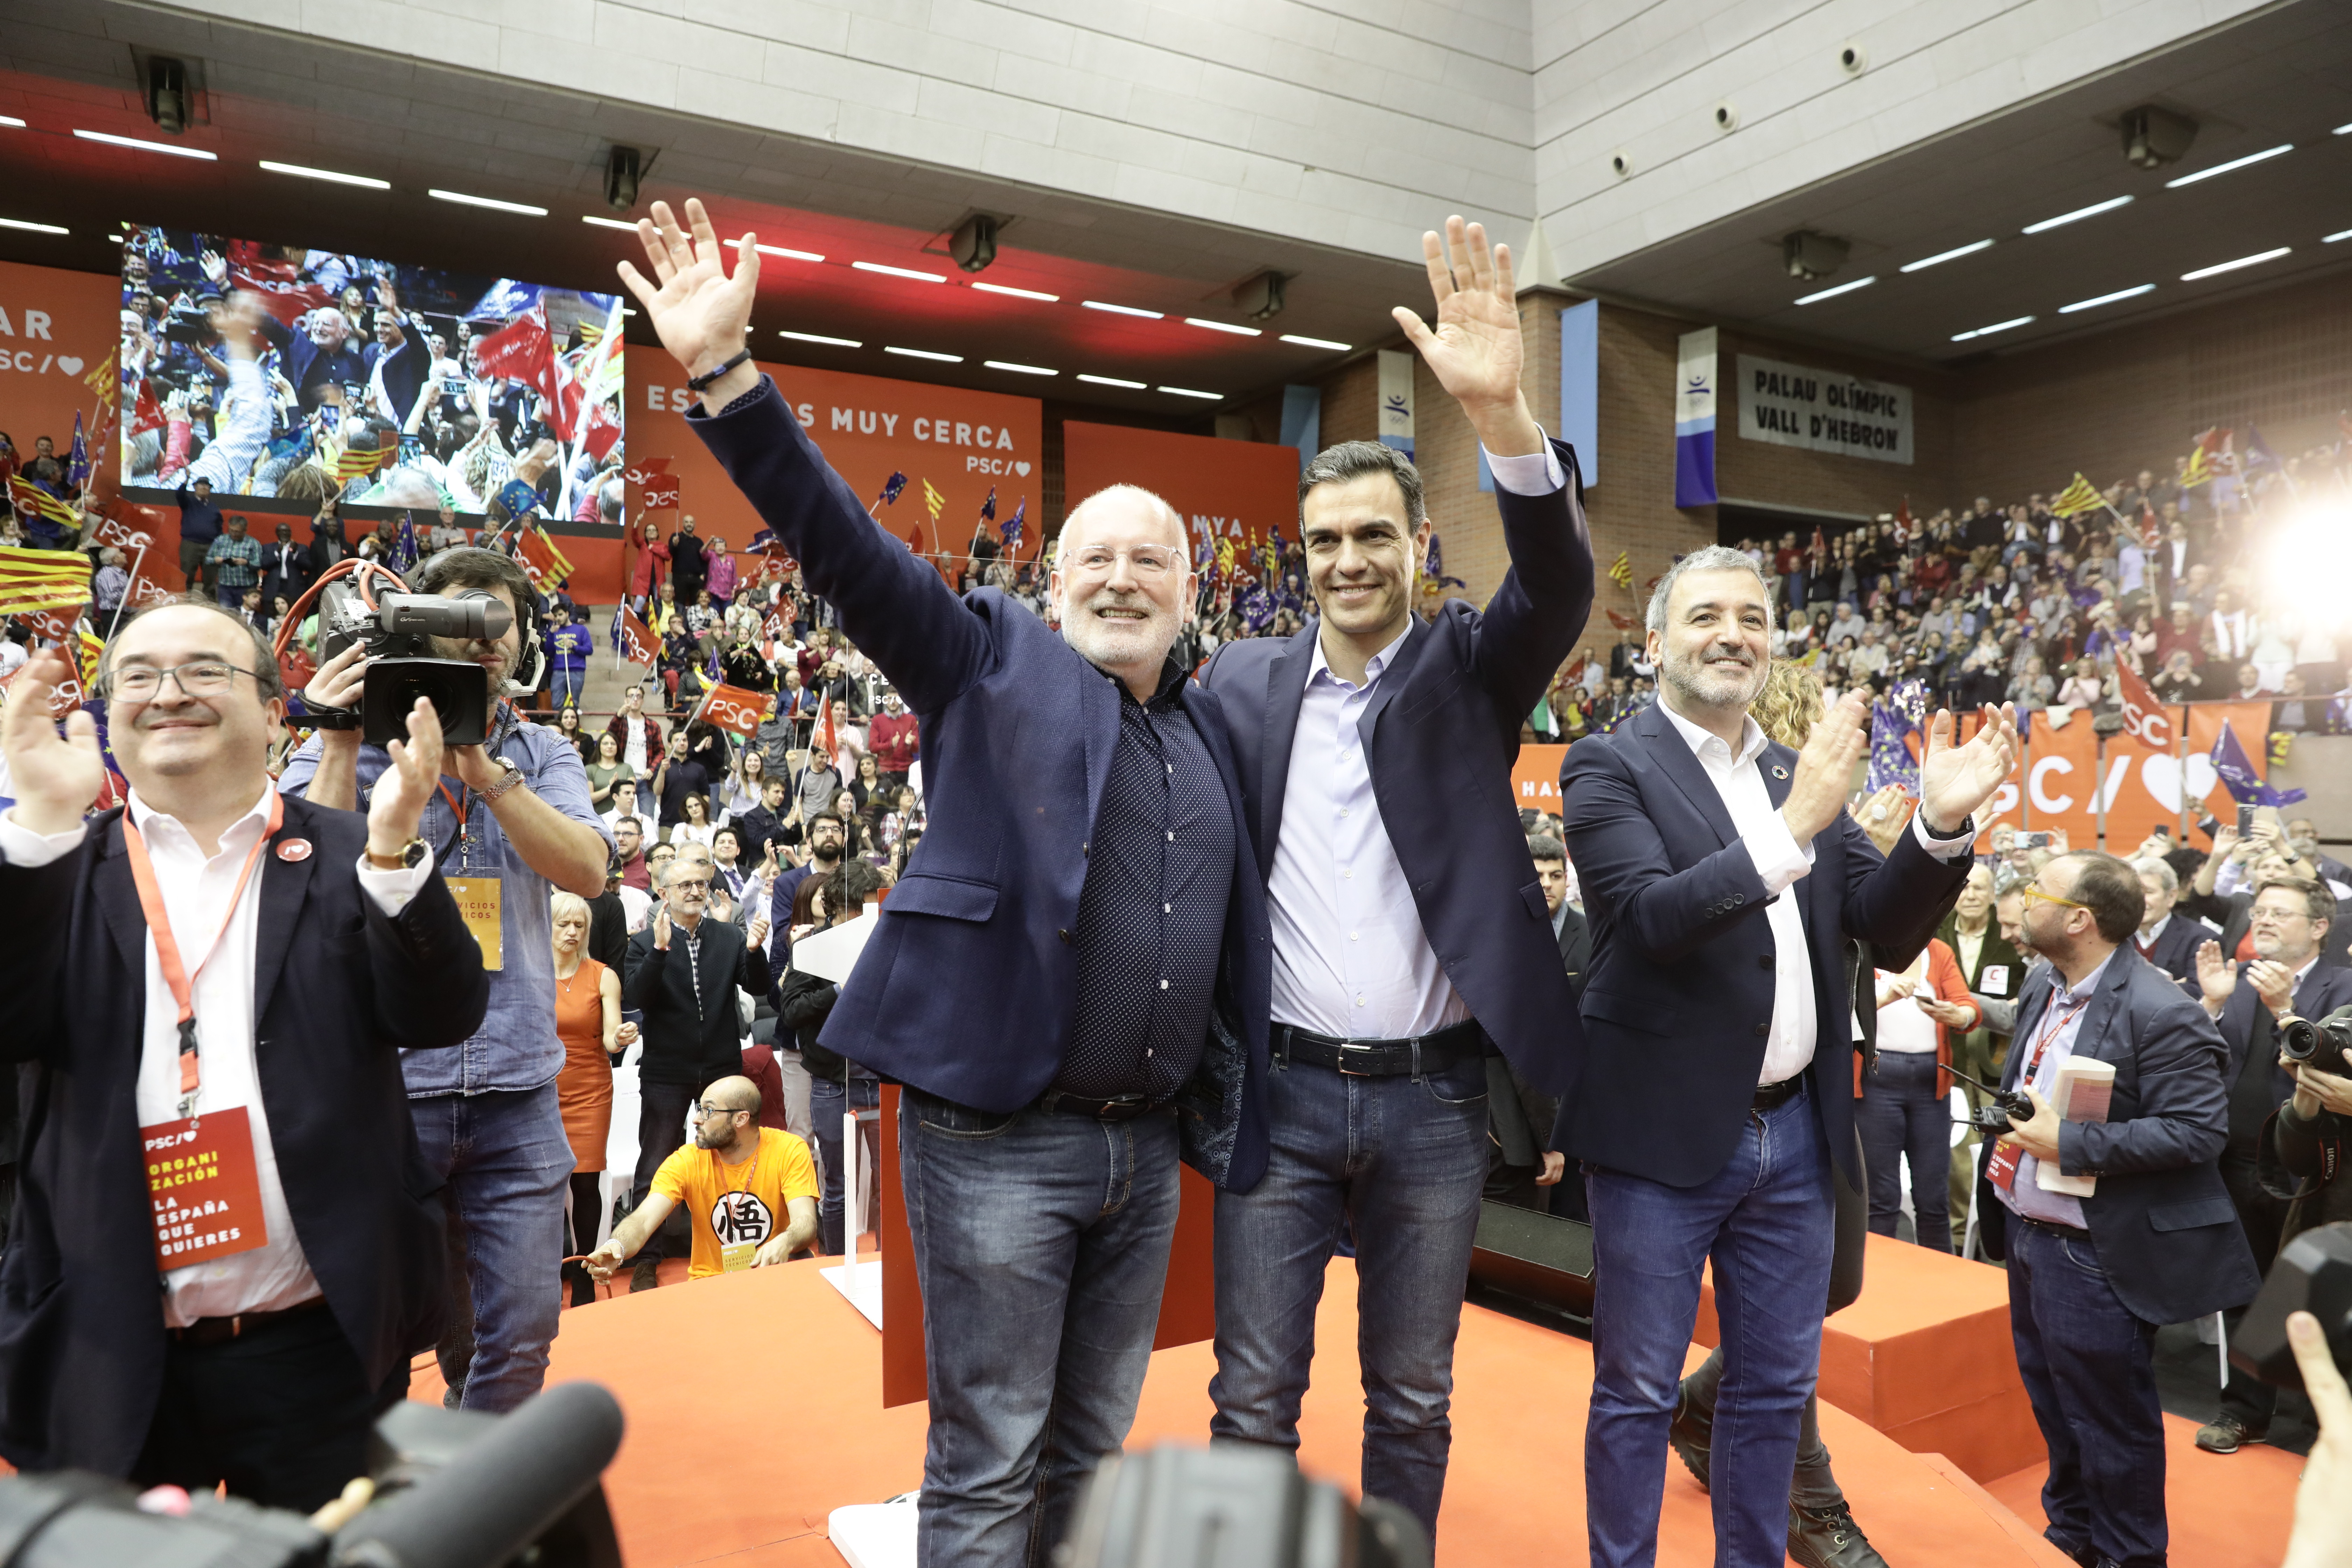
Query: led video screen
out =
(276, 371)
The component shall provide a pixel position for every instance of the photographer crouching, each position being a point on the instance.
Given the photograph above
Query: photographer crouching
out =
(508, 821)
(218, 1272)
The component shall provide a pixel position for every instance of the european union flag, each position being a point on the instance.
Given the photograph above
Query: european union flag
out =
(988, 506)
(78, 461)
(1434, 568)
(891, 487)
(404, 549)
(1894, 724)
(1012, 530)
(2237, 771)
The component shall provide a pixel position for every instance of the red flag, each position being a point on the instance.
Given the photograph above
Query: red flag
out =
(1902, 522)
(113, 531)
(2146, 720)
(144, 591)
(604, 430)
(637, 644)
(63, 699)
(736, 710)
(146, 414)
(773, 630)
(2151, 534)
(823, 739)
(55, 625)
(274, 280)
(542, 561)
(1623, 623)
(522, 351)
(655, 486)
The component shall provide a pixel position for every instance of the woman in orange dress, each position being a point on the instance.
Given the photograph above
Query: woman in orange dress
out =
(588, 1021)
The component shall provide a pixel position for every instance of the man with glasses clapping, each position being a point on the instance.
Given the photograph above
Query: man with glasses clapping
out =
(681, 972)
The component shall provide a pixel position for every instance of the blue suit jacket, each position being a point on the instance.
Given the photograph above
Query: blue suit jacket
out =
(2323, 990)
(2175, 949)
(1440, 732)
(2167, 1232)
(968, 986)
(1679, 994)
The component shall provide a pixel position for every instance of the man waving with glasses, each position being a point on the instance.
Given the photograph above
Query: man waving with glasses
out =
(1087, 872)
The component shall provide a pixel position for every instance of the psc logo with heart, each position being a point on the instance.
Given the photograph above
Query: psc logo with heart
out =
(69, 363)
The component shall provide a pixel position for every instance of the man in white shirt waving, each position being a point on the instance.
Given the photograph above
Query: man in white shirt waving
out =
(225, 1256)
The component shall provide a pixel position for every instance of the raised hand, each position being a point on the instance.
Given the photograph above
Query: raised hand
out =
(56, 779)
(2216, 976)
(1825, 767)
(700, 313)
(1475, 349)
(1955, 780)
(402, 789)
(661, 927)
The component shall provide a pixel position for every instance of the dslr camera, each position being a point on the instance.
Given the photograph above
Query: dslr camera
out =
(2322, 1044)
(397, 629)
(188, 322)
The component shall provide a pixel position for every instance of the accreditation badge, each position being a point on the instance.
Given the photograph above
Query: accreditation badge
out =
(203, 1188)
(2001, 1166)
(1994, 980)
(477, 903)
(736, 1256)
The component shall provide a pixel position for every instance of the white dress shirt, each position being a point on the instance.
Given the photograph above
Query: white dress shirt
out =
(1795, 1030)
(195, 891)
(1351, 959)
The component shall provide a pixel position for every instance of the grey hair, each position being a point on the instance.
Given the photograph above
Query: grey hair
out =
(1714, 558)
(1354, 460)
(2165, 878)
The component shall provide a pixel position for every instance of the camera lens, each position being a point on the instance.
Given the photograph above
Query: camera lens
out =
(2321, 1044)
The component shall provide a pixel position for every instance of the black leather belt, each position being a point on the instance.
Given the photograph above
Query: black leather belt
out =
(1123, 1108)
(2062, 1231)
(1770, 1095)
(220, 1331)
(1380, 1058)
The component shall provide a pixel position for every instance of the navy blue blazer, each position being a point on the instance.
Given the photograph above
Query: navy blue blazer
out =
(1679, 997)
(1440, 732)
(2175, 949)
(2167, 1233)
(968, 986)
(2321, 992)
(340, 988)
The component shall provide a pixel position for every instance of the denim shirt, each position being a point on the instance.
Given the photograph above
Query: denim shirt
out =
(516, 1047)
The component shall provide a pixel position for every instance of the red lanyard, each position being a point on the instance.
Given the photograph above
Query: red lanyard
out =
(2057, 1018)
(179, 977)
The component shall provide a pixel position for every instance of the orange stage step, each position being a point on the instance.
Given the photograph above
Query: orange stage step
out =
(691, 1363)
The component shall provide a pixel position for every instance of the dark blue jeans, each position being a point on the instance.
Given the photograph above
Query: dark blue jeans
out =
(507, 1163)
(1402, 1162)
(1042, 1244)
(2090, 1373)
(827, 1106)
(1902, 1117)
(565, 689)
(1764, 1221)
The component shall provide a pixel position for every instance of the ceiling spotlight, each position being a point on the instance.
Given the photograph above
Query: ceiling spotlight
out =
(167, 94)
(1260, 299)
(973, 244)
(622, 167)
(2154, 137)
(1808, 254)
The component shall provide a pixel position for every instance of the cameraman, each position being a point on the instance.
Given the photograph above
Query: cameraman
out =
(512, 814)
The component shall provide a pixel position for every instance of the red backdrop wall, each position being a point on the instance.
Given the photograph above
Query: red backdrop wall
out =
(1242, 490)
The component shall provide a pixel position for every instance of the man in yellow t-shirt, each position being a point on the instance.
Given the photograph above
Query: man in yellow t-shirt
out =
(734, 1179)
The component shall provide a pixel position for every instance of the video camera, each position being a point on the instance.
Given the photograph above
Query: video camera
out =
(190, 322)
(453, 1490)
(2322, 1043)
(1227, 1506)
(396, 629)
(2312, 1274)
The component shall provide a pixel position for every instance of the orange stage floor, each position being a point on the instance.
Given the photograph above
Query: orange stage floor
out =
(754, 1408)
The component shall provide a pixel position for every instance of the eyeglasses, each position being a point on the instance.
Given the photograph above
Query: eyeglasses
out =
(682, 885)
(198, 678)
(2033, 892)
(1148, 559)
(704, 1112)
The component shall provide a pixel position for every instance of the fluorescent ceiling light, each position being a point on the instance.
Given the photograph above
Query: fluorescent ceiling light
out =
(32, 227)
(1019, 369)
(2093, 210)
(2107, 299)
(1113, 381)
(2340, 130)
(112, 141)
(523, 208)
(1015, 293)
(327, 174)
(1222, 327)
(2345, 234)
(115, 238)
(1122, 309)
(821, 338)
(1841, 289)
(1315, 342)
(1987, 331)
(2267, 152)
(926, 353)
(1926, 261)
(2254, 260)
(900, 272)
(11, 119)
(607, 222)
(1188, 392)
(790, 255)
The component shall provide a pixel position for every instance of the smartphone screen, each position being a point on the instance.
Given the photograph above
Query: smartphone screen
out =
(2245, 821)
